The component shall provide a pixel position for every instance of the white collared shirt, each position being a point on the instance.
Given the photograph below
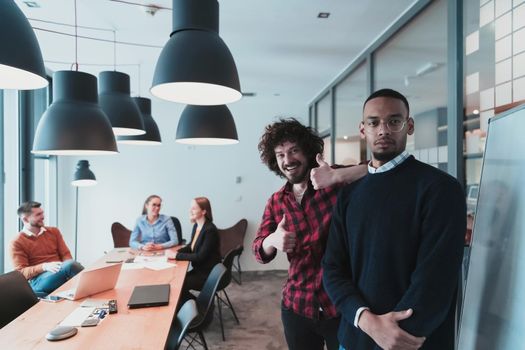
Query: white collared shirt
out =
(389, 165)
(29, 233)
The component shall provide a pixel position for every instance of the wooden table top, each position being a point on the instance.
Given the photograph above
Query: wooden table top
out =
(145, 328)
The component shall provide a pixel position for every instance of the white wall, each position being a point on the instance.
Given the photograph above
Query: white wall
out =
(177, 173)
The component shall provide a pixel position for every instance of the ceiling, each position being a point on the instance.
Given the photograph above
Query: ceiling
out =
(281, 48)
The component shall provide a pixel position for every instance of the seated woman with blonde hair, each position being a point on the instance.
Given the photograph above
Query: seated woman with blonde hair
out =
(203, 250)
(153, 231)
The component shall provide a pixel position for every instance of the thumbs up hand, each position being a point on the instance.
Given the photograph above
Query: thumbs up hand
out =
(322, 176)
(281, 239)
(285, 240)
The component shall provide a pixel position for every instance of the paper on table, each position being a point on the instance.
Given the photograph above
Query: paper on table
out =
(148, 259)
(132, 266)
(78, 316)
(158, 265)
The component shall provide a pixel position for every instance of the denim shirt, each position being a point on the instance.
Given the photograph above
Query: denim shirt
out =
(161, 231)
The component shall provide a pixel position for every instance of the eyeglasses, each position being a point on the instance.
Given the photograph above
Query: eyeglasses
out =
(393, 124)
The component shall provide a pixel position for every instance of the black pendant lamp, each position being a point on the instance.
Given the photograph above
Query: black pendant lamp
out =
(207, 125)
(116, 102)
(152, 135)
(74, 124)
(21, 63)
(83, 175)
(195, 66)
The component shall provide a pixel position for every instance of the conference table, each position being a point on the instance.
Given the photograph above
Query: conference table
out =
(144, 328)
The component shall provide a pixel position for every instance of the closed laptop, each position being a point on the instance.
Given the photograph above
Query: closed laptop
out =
(149, 295)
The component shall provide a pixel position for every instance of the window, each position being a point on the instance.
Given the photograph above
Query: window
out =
(11, 166)
(25, 177)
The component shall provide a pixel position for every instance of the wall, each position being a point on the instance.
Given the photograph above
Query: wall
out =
(177, 173)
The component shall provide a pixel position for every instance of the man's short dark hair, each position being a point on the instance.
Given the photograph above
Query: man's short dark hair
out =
(291, 130)
(389, 93)
(26, 208)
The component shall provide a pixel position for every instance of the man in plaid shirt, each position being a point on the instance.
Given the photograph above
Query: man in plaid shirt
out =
(296, 221)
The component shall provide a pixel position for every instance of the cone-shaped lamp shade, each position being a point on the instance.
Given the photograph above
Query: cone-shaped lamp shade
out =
(152, 135)
(195, 66)
(74, 124)
(206, 125)
(21, 63)
(83, 175)
(113, 97)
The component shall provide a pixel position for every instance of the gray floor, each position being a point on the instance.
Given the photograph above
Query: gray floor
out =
(257, 304)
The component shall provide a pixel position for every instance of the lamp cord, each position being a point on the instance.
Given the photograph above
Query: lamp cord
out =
(97, 39)
(139, 70)
(76, 39)
(114, 50)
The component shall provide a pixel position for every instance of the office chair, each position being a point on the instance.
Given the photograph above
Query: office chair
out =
(185, 316)
(231, 238)
(225, 282)
(16, 296)
(120, 235)
(178, 228)
(205, 306)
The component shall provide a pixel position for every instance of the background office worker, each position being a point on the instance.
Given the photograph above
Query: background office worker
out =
(40, 252)
(395, 247)
(203, 249)
(153, 231)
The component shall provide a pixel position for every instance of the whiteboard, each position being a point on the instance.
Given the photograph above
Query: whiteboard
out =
(493, 314)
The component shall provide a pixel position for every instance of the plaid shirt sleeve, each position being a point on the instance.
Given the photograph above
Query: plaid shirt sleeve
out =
(267, 227)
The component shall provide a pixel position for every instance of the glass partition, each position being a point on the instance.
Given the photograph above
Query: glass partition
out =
(349, 97)
(494, 74)
(414, 62)
(324, 114)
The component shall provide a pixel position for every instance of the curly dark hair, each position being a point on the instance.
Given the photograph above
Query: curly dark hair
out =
(291, 130)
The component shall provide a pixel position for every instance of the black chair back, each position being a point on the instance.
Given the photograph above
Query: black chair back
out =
(186, 314)
(16, 296)
(178, 228)
(205, 298)
(228, 263)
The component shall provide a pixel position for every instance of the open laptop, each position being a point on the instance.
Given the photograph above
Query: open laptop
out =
(150, 295)
(92, 282)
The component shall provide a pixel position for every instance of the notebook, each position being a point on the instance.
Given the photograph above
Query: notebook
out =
(92, 282)
(150, 295)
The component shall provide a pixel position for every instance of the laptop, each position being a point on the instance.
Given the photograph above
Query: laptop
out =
(150, 295)
(92, 282)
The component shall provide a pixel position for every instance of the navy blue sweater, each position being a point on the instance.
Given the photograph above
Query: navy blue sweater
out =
(396, 242)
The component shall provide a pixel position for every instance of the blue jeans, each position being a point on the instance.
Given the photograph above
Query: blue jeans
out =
(47, 281)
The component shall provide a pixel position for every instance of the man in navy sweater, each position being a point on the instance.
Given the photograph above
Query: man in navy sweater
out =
(395, 245)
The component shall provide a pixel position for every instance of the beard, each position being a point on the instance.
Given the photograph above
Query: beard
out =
(36, 223)
(299, 177)
(385, 156)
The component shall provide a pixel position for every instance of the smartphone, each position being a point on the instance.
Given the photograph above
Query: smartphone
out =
(90, 322)
(52, 298)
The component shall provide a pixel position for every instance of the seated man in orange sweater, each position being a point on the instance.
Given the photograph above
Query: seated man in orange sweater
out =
(40, 253)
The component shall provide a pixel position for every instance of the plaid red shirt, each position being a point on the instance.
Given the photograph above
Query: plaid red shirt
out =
(303, 292)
